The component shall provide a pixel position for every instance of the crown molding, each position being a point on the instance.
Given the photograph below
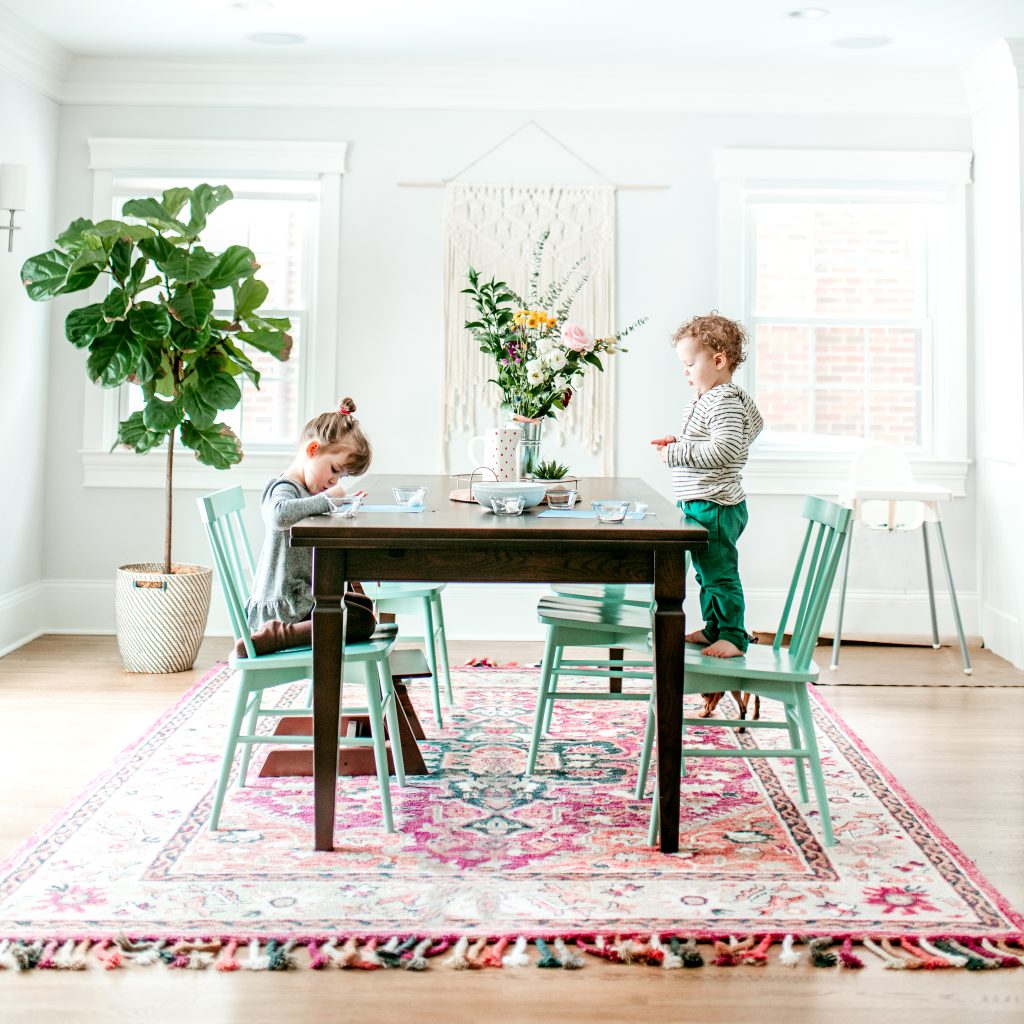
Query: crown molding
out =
(408, 85)
(31, 57)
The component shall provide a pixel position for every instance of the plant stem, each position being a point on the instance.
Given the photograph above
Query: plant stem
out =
(167, 495)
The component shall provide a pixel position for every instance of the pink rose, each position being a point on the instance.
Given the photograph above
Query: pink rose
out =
(576, 338)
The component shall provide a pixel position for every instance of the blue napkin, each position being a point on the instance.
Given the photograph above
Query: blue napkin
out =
(392, 508)
(579, 513)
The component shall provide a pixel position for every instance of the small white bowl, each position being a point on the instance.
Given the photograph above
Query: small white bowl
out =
(533, 493)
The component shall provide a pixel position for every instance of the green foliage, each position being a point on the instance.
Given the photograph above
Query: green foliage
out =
(550, 470)
(539, 354)
(155, 326)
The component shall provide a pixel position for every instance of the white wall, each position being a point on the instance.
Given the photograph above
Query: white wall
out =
(390, 330)
(999, 318)
(28, 136)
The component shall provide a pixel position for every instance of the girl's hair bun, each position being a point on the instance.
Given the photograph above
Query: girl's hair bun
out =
(347, 406)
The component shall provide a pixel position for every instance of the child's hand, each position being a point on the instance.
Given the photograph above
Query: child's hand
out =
(338, 491)
(660, 442)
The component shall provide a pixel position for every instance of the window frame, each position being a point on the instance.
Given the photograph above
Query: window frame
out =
(324, 162)
(802, 466)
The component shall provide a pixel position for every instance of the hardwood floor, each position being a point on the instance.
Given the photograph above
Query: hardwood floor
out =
(67, 709)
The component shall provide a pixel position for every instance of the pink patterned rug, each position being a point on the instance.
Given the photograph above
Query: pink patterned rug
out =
(483, 851)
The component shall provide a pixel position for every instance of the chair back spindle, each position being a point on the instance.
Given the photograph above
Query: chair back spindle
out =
(827, 527)
(221, 513)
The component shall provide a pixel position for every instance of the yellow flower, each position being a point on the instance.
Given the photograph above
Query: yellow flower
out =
(532, 320)
(518, 316)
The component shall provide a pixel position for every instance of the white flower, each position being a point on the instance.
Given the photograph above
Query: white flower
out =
(545, 343)
(556, 360)
(535, 376)
(535, 366)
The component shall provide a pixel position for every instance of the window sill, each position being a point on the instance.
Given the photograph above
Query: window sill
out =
(808, 472)
(122, 469)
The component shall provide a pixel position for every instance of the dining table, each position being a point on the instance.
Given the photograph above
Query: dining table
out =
(453, 541)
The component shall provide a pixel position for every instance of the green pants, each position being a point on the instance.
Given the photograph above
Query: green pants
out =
(717, 569)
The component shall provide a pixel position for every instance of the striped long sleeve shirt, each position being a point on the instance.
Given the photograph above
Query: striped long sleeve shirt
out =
(710, 452)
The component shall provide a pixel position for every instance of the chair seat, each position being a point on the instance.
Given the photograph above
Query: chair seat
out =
(604, 616)
(400, 591)
(760, 662)
(638, 594)
(383, 639)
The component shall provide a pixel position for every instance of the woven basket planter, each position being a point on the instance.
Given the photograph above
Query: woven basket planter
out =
(161, 619)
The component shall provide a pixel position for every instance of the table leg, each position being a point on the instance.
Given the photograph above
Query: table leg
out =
(669, 648)
(329, 570)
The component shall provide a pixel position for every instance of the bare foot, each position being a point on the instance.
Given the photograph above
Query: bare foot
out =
(722, 649)
(697, 637)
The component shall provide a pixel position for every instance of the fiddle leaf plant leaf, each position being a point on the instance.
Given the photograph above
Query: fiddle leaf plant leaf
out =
(205, 199)
(191, 305)
(150, 321)
(237, 261)
(249, 296)
(134, 434)
(199, 408)
(85, 325)
(188, 265)
(217, 445)
(116, 305)
(152, 212)
(113, 358)
(277, 343)
(161, 416)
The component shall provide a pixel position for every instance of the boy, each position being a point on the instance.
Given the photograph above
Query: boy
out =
(706, 460)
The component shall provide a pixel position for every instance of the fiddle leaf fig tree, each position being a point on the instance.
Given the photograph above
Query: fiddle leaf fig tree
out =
(156, 326)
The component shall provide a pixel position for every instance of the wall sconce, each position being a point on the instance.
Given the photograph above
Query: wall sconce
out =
(13, 178)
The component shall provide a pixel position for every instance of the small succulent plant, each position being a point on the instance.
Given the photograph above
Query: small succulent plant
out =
(550, 470)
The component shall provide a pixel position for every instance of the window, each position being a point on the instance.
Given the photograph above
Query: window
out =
(849, 271)
(839, 316)
(287, 210)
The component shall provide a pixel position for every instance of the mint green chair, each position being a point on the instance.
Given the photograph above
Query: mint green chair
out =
(781, 672)
(424, 598)
(589, 621)
(234, 565)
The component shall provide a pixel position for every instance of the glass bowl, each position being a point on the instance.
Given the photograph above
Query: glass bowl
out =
(344, 506)
(562, 499)
(409, 495)
(610, 511)
(510, 505)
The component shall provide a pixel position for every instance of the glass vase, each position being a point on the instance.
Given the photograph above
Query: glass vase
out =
(528, 451)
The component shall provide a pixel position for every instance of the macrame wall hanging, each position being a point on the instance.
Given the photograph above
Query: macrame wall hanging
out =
(494, 229)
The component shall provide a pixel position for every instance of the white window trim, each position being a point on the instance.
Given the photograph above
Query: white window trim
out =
(802, 469)
(324, 161)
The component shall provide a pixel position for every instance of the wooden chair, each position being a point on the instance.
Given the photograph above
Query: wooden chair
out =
(234, 565)
(424, 598)
(590, 621)
(781, 672)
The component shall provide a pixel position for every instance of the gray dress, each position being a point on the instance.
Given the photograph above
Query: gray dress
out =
(283, 586)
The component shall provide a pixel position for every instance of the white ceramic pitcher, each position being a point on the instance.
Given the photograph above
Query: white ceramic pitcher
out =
(496, 450)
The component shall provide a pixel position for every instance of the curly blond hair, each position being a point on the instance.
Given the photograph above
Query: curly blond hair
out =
(717, 333)
(340, 429)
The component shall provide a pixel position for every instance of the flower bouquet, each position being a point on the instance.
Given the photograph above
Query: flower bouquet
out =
(540, 354)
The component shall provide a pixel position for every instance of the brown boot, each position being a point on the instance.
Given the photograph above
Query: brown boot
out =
(282, 636)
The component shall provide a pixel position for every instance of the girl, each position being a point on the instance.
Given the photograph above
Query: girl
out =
(281, 605)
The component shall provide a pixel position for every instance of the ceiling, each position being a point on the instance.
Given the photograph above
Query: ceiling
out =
(586, 36)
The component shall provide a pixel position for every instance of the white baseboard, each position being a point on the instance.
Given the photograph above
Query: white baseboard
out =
(1003, 635)
(507, 611)
(21, 617)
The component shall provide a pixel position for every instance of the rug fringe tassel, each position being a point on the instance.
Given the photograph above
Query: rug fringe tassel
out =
(468, 952)
(788, 956)
(518, 957)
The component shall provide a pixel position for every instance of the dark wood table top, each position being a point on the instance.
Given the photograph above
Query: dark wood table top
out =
(445, 519)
